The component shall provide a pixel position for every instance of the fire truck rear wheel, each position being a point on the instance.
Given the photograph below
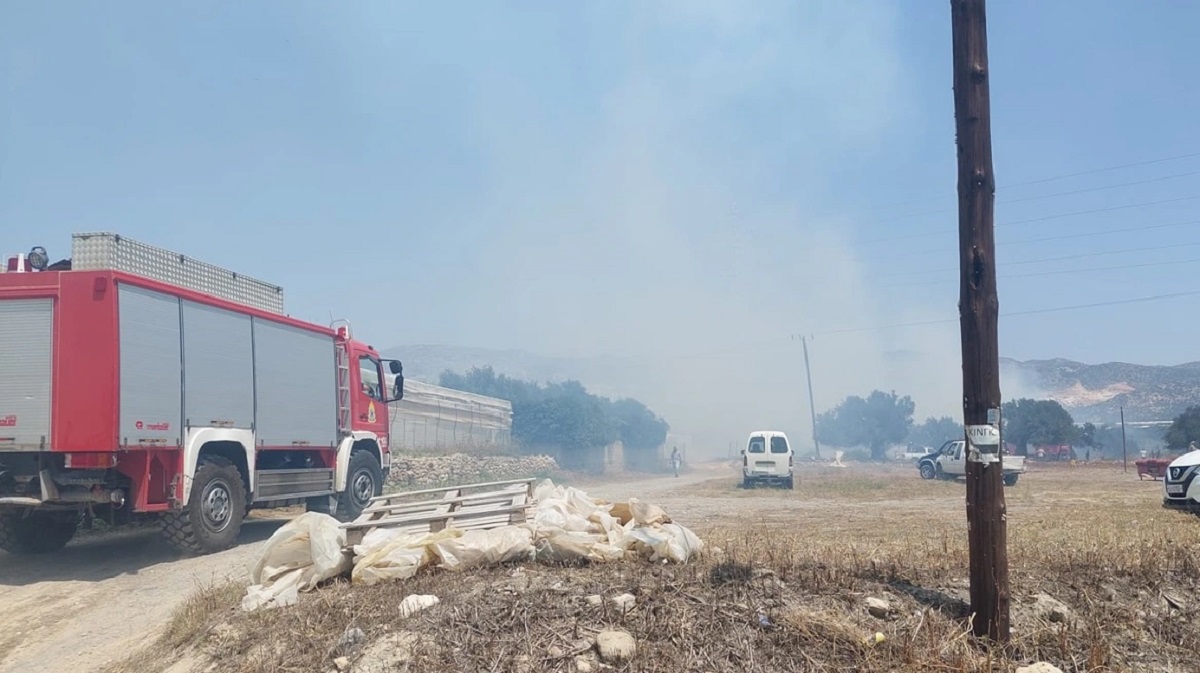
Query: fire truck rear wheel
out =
(23, 532)
(213, 518)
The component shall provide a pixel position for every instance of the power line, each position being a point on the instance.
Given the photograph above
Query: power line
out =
(1053, 178)
(1045, 239)
(1056, 309)
(1066, 272)
(1044, 218)
(1041, 197)
(1060, 258)
(733, 348)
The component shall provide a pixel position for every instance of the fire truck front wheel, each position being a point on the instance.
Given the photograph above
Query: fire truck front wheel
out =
(213, 518)
(26, 532)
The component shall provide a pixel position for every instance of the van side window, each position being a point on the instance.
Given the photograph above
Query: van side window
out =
(758, 445)
(779, 445)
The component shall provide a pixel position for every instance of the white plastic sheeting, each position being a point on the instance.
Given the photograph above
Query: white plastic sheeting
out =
(566, 525)
(303, 553)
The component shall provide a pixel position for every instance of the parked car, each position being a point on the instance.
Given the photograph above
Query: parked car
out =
(1181, 488)
(950, 462)
(768, 459)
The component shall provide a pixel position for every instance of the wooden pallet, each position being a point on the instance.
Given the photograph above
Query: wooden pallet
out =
(468, 507)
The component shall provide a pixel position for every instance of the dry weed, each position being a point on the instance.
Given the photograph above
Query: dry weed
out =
(784, 587)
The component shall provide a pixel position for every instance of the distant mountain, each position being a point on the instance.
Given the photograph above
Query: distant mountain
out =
(1091, 392)
(1097, 392)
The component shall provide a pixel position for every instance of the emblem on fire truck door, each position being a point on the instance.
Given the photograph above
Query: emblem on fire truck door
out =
(371, 412)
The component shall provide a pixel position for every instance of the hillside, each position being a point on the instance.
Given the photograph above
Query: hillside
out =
(1097, 392)
(1091, 392)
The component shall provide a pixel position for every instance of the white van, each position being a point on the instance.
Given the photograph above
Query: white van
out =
(767, 458)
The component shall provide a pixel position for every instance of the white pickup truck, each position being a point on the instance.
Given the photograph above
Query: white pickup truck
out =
(949, 462)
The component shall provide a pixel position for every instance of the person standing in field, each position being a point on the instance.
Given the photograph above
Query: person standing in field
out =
(676, 459)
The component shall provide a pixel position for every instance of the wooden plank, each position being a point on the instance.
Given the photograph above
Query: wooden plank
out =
(462, 499)
(473, 511)
(430, 491)
(430, 517)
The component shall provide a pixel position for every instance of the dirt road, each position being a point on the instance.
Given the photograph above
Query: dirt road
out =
(105, 595)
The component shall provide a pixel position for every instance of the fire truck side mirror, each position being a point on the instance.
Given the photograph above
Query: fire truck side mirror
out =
(396, 367)
(398, 389)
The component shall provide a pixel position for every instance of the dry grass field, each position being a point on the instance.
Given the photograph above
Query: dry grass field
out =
(1103, 579)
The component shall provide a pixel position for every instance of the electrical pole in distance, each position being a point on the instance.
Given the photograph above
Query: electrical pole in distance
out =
(812, 404)
(1124, 450)
(979, 311)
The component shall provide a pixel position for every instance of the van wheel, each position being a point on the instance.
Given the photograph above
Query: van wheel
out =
(1011, 479)
(747, 482)
(927, 471)
(216, 509)
(790, 484)
(25, 532)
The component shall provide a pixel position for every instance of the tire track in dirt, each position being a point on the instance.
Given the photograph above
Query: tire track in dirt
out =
(103, 595)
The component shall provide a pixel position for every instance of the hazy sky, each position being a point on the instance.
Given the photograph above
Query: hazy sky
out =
(689, 181)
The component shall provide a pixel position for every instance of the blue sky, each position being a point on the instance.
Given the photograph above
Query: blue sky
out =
(695, 181)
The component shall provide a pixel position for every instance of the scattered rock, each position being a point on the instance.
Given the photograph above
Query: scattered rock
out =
(524, 663)
(1040, 667)
(391, 653)
(616, 646)
(584, 665)
(342, 663)
(350, 640)
(555, 651)
(595, 601)
(1049, 608)
(412, 471)
(878, 607)
(624, 602)
(416, 603)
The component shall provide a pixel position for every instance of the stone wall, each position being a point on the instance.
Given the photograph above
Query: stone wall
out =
(417, 472)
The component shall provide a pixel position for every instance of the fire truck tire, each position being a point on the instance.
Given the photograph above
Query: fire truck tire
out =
(36, 532)
(363, 482)
(213, 518)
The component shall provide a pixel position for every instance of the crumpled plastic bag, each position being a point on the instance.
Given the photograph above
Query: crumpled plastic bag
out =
(671, 541)
(646, 514)
(392, 555)
(479, 548)
(558, 513)
(572, 547)
(300, 555)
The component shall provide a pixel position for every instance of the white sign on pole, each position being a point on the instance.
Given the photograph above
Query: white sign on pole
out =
(983, 435)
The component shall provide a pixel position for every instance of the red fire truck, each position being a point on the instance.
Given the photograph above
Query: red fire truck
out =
(136, 381)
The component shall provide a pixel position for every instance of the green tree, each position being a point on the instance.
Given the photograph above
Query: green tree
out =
(638, 426)
(874, 422)
(1085, 435)
(564, 415)
(1185, 429)
(1028, 421)
(934, 432)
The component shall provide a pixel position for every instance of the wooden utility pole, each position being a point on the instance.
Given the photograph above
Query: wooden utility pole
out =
(1124, 451)
(812, 405)
(979, 311)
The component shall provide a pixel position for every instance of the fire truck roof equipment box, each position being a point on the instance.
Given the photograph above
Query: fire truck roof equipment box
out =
(111, 252)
